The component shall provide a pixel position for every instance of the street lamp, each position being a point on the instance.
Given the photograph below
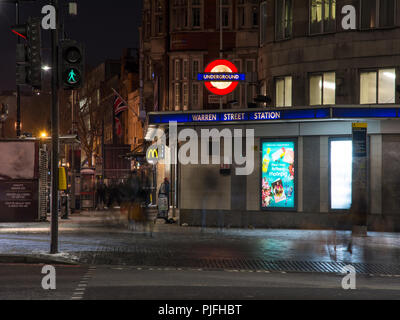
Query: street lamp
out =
(46, 68)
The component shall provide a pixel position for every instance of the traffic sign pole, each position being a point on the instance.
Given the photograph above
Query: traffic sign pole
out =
(55, 136)
(18, 87)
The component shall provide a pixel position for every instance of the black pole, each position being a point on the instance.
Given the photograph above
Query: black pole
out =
(18, 128)
(55, 135)
(102, 152)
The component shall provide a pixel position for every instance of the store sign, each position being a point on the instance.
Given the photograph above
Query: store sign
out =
(277, 115)
(155, 153)
(278, 175)
(221, 77)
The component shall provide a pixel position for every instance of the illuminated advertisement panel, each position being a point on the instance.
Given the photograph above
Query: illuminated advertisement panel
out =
(278, 189)
(341, 167)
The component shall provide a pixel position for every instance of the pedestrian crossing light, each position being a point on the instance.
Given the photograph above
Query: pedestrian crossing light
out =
(71, 64)
(73, 77)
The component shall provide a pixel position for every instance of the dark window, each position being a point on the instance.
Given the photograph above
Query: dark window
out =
(255, 16)
(284, 19)
(377, 13)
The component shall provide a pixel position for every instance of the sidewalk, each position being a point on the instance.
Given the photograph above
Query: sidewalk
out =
(104, 238)
(75, 222)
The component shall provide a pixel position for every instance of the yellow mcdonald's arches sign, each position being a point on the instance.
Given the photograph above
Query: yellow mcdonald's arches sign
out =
(152, 154)
(62, 179)
(155, 153)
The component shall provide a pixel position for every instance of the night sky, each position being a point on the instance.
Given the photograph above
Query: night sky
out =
(105, 27)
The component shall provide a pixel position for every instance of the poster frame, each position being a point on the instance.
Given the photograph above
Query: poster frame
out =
(345, 138)
(296, 165)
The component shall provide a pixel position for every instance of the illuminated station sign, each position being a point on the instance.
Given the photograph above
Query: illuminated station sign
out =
(221, 77)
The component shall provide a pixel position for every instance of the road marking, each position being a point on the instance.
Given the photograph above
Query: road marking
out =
(82, 286)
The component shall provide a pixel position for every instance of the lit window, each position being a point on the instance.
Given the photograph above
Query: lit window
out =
(283, 89)
(378, 86)
(323, 89)
(322, 16)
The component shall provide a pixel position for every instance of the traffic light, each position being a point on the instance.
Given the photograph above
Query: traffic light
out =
(28, 54)
(71, 64)
(34, 52)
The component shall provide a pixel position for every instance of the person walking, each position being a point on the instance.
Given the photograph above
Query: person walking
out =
(101, 196)
(163, 201)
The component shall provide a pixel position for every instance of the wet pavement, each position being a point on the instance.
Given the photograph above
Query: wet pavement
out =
(93, 240)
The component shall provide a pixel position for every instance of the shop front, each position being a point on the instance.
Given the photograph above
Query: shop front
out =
(303, 172)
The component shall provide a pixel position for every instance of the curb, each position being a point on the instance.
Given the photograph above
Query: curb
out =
(25, 259)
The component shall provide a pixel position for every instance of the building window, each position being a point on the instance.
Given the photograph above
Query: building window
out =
(196, 13)
(195, 69)
(284, 19)
(177, 69)
(323, 16)
(263, 24)
(236, 95)
(377, 13)
(226, 13)
(323, 89)
(250, 88)
(254, 16)
(147, 29)
(195, 96)
(185, 97)
(378, 86)
(241, 14)
(283, 92)
(158, 13)
(180, 14)
(185, 69)
(177, 102)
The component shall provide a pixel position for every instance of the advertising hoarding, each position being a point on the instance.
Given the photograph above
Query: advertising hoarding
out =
(278, 187)
(19, 181)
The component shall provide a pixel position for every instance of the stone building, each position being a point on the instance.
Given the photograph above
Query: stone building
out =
(322, 66)
(179, 38)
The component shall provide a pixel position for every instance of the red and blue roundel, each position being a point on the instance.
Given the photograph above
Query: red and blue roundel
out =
(221, 77)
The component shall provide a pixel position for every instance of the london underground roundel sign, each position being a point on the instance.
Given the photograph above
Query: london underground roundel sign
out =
(221, 77)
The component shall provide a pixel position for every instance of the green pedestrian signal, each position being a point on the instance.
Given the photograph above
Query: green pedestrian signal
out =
(72, 65)
(72, 77)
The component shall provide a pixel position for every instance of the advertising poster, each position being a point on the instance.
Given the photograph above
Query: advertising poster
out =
(278, 175)
(17, 160)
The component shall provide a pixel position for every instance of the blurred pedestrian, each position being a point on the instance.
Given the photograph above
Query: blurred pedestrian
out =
(101, 196)
(163, 201)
